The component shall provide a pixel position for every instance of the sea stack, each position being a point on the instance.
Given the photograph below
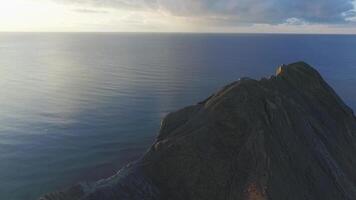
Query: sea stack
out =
(286, 137)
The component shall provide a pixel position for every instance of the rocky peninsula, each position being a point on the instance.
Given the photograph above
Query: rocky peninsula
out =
(285, 137)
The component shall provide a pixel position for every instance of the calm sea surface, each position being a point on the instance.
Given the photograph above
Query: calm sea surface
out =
(77, 107)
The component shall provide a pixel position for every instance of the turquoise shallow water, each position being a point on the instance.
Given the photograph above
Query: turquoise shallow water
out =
(77, 107)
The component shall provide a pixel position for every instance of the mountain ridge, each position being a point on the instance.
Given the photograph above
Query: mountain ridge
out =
(285, 137)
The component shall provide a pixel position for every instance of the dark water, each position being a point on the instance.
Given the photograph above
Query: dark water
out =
(78, 106)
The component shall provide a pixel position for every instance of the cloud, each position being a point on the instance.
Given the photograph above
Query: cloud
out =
(262, 11)
(242, 11)
(121, 4)
(295, 21)
(90, 11)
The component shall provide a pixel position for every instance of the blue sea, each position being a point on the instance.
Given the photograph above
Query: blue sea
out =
(77, 107)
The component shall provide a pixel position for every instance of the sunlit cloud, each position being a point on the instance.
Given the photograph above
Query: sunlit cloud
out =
(239, 11)
(90, 11)
(178, 16)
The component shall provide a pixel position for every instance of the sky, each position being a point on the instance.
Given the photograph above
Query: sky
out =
(245, 16)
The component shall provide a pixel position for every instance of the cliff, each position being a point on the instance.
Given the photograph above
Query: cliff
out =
(286, 137)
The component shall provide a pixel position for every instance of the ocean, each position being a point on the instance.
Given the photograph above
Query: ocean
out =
(78, 106)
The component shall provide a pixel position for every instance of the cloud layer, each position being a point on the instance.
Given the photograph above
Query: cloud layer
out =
(242, 11)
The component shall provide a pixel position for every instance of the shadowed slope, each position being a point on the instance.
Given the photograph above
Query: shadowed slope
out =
(287, 137)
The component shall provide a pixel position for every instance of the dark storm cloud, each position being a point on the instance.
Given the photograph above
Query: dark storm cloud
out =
(243, 11)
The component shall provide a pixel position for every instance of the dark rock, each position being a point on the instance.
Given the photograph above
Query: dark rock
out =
(287, 137)
(128, 184)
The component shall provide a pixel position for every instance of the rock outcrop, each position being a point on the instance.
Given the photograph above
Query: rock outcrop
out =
(286, 137)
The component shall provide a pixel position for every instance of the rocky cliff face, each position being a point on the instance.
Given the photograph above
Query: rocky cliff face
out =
(286, 137)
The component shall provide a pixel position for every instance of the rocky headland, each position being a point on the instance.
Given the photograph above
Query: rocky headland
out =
(285, 137)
